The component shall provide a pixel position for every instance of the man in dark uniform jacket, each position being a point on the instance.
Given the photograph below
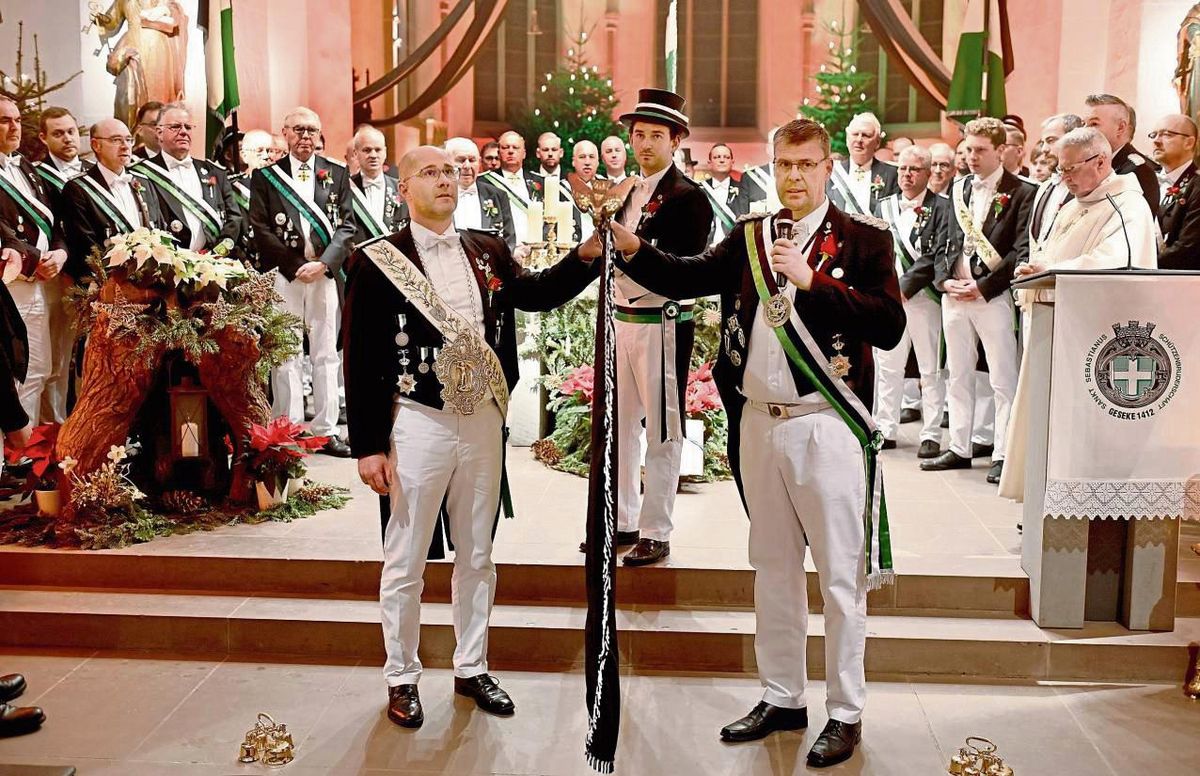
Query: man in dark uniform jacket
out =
(1179, 213)
(975, 272)
(796, 491)
(1117, 121)
(194, 193)
(300, 210)
(421, 435)
(859, 182)
(375, 193)
(669, 210)
(480, 204)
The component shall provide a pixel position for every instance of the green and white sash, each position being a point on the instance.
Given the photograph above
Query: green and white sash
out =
(905, 250)
(51, 174)
(241, 193)
(287, 188)
(841, 185)
(764, 181)
(33, 207)
(806, 356)
(983, 248)
(210, 221)
(720, 209)
(457, 333)
(104, 200)
(362, 211)
(514, 196)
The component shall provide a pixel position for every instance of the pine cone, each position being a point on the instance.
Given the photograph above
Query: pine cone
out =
(545, 451)
(314, 493)
(183, 502)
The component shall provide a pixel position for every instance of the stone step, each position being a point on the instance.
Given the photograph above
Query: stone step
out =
(551, 637)
(997, 594)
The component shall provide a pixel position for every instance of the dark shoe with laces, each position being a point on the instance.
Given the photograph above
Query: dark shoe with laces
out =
(404, 706)
(981, 450)
(763, 720)
(910, 415)
(929, 449)
(945, 461)
(624, 539)
(486, 692)
(835, 744)
(11, 686)
(647, 551)
(889, 444)
(19, 720)
(336, 448)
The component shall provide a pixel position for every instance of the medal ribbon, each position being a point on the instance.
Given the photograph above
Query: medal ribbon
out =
(363, 213)
(51, 175)
(241, 193)
(516, 198)
(807, 357)
(838, 179)
(720, 209)
(104, 200)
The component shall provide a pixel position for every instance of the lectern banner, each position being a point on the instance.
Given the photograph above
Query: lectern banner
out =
(1125, 401)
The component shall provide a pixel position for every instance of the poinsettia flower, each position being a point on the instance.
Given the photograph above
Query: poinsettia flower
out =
(118, 255)
(580, 380)
(162, 254)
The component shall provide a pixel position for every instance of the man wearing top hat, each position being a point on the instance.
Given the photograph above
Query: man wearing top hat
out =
(654, 333)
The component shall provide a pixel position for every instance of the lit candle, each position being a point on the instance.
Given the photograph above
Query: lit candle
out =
(189, 434)
(534, 216)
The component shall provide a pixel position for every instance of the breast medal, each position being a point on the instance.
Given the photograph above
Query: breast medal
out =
(839, 365)
(777, 310)
(462, 370)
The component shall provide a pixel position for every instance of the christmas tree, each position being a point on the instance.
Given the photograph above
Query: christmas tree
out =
(575, 102)
(29, 92)
(841, 90)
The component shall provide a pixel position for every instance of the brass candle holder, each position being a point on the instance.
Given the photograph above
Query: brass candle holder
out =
(268, 742)
(550, 251)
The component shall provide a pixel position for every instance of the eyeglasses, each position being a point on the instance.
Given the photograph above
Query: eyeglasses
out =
(179, 127)
(911, 169)
(304, 130)
(941, 165)
(784, 167)
(118, 141)
(430, 174)
(1072, 168)
(1165, 133)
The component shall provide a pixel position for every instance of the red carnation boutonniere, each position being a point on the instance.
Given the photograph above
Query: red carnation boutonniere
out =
(537, 186)
(999, 202)
(323, 177)
(490, 281)
(212, 181)
(1173, 195)
(828, 248)
(651, 207)
(877, 184)
(136, 185)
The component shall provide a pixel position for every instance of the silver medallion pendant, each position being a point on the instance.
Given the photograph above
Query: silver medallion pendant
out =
(777, 310)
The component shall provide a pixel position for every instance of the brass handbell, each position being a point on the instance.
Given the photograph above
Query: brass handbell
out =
(267, 742)
(978, 758)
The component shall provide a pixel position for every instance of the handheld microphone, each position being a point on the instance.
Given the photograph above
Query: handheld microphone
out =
(783, 231)
(1124, 230)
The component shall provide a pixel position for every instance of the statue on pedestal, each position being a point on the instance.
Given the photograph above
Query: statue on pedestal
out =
(1187, 76)
(149, 53)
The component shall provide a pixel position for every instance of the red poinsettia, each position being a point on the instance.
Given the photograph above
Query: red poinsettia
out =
(701, 395)
(580, 380)
(275, 447)
(44, 471)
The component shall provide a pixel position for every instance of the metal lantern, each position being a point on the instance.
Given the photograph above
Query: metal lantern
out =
(189, 420)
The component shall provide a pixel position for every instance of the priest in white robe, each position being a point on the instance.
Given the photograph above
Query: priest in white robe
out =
(1107, 225)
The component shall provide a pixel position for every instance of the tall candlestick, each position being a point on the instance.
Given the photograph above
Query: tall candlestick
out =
(534, 216)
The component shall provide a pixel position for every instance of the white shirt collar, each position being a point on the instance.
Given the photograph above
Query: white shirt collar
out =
(377, 180)
(173, 163)
(63, 164)
(716, 184)
(519, 174)
(920, 199)
(425, 237)
(653, 181)
(1173, 176)
(814, 220)
(993, 180)
(546, 174)
(471, 191)
(617, 178)
(109, 175)
(865, 167)
(295, 163)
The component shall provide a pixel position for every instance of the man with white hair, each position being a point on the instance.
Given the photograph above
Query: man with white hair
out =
(1107, 225)
(378, 207)
(941, 168)
(1117, 121)
(859, 182)
(585, 163)
(480, 204)
(300, 208)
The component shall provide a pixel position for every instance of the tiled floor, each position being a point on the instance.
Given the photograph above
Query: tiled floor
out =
(138, 715)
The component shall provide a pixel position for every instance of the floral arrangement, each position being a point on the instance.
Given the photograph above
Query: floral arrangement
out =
(149, 257)
(701, 395)
(106, 492)
(43, 471)
(276, 451)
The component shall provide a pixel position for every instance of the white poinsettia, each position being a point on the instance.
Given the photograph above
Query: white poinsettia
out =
(140, 254)
(162, 254)
(118, 254)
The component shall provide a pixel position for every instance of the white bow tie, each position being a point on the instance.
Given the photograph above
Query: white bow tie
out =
(373, 184)
(175, 164)
(449, 240)
(469, 192)
(908, 204)
(979, 184)
(124, 178)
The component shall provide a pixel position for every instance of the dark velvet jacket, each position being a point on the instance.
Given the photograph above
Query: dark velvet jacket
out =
(371, 354)
(1179, 220)
(87, 226)
(216, 191)
(861, 307)
(1128, 159)
(677, 217)
(1008, 233)
(282, 245)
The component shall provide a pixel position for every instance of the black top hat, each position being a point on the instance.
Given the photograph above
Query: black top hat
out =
(660, 107)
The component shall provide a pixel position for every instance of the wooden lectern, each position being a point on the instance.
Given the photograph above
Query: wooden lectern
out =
(1110, 395)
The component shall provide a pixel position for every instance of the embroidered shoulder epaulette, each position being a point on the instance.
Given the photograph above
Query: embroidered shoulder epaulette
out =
(331, 160)
(1137, 159)
(750, 217)
(214, 163)
(862, 218)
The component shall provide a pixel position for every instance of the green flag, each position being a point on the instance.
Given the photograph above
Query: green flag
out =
(672, 46)
(984, 59)
(223, 96)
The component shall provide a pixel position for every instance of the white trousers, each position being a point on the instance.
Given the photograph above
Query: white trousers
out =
(316, 304)
(803, 477)
(922, 334)
(439, 454)
(30, 299)
(639, 391)
(967, 324)
(62, 344)
(985, 411)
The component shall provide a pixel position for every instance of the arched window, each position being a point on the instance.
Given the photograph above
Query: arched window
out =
(515, 59)
(901, 107)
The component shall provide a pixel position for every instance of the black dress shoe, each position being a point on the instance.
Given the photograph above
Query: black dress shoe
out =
(486, 692)
(929, 449)
(624, 539)
(947, 460)
(404, 706)
(981, 451)
(995, 472)
(647, 551)
(889, 444)
(763, 720)
(341, 416)
(19, 720)
(835, 744)
(336, 447)
(910, 415)
(11, 686)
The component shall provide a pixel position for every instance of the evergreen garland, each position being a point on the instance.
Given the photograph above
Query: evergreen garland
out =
(841, 90)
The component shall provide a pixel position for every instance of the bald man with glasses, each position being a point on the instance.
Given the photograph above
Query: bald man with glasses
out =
(1174, 147)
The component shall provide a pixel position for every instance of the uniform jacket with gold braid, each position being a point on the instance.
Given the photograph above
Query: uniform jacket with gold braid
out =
(216, 190)
(87, 226)
(1008, 233)
(371, 353)
(281, 245)
(25, 231)
(854, 299)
